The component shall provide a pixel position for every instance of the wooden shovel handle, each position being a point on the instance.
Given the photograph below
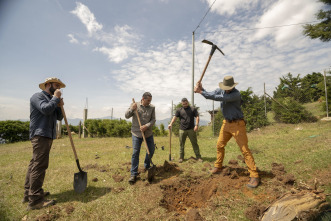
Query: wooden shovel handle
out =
(69, 132)
(142, 133)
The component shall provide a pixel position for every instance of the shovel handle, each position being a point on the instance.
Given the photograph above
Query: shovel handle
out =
(70, 137)
(142, 133)
(170, 145)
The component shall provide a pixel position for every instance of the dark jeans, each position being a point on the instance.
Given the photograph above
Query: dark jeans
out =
(37, 169)
(136, 145)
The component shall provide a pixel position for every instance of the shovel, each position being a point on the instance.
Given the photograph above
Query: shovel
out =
(80, 178)
(152, 170)
(170, 145)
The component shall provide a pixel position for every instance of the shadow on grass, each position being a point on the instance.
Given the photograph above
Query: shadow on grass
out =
(91, 193)
(209, 159)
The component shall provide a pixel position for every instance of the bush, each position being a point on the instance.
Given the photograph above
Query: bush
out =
(296, 113)
(72, 129)
(14, 131)
(108, 128)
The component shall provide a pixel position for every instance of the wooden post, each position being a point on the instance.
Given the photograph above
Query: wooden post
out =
(80, 129)
(84, 119)
(59, 129)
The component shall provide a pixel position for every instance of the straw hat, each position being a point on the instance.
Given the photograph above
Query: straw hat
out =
(51, 80)
(228, 83)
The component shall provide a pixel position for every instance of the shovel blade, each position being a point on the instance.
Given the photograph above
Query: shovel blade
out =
(80, 182)
(151, 173)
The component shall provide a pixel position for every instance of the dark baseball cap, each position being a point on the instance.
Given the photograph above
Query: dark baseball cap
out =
(184, 99)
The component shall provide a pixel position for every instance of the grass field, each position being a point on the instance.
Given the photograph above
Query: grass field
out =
(303, 149)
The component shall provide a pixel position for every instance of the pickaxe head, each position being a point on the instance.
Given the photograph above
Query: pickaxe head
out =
(214, 47)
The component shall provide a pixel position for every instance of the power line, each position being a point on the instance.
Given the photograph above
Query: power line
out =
(204, 16)
(250, 29)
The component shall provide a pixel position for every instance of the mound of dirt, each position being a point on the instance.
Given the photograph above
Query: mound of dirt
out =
(253, 212)
(193, 215)
(118, 178)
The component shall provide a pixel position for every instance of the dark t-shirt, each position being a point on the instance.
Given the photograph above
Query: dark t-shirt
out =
(186, 117)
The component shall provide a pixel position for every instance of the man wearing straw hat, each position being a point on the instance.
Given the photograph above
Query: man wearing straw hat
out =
(233, 125)
(44, 112)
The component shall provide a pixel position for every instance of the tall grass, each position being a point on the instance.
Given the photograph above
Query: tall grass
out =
(303, 149)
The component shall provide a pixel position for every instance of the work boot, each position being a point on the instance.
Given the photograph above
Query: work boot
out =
(253, 182)
(26, 198)
(216, 170)
(42, 204)
(180, 160)
(132, 179)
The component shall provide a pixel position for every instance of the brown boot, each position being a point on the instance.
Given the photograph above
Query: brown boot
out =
(253, 182)
(216, 170)
(42, 204)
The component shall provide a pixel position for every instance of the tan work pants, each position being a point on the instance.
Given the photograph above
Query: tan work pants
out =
(237, 130)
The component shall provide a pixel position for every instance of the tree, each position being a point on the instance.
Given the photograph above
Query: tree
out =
(321, 30)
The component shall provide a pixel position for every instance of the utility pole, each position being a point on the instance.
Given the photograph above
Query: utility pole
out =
(192, 98)
(111, 114)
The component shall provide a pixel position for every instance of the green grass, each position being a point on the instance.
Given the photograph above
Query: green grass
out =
(308, 144)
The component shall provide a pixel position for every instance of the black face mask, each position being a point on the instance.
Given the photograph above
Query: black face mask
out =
(52, 89)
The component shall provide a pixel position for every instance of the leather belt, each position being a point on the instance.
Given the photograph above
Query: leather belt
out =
(235, 120)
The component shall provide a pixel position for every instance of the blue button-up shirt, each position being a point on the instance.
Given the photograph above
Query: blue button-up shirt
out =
(44, 113)
(230, 103)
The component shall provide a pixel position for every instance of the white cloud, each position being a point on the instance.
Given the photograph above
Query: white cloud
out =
(14, 108)
(230, 7)
(72, 39)
(286, 12)
(115, 43)
(87, 18)
(116, 54)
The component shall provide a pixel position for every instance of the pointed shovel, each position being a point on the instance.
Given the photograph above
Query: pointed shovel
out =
(152, 170)
(80, 178)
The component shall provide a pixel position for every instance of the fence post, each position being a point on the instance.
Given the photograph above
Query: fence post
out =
(58, 129)
(265, 102)
(80, 129)
(326, 95)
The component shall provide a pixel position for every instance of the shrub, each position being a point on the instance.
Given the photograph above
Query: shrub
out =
(14, 131)
(108, 128)
(295, 112)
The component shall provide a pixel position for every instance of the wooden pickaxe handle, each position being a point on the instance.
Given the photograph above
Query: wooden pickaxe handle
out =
(142, 133)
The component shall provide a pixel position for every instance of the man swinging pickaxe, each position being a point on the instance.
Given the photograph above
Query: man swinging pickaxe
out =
(213, 48)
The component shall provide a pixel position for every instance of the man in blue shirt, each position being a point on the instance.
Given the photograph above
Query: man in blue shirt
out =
(233, 125)
(44, 112)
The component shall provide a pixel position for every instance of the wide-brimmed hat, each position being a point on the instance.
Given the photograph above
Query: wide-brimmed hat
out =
(228, 83)
(51, 80)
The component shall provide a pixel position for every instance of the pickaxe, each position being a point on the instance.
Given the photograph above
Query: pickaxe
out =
(213, 48)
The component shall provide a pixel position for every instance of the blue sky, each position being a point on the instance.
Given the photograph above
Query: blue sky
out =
(111, 51)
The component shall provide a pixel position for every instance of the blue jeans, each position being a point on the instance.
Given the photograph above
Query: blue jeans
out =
(136, 145)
